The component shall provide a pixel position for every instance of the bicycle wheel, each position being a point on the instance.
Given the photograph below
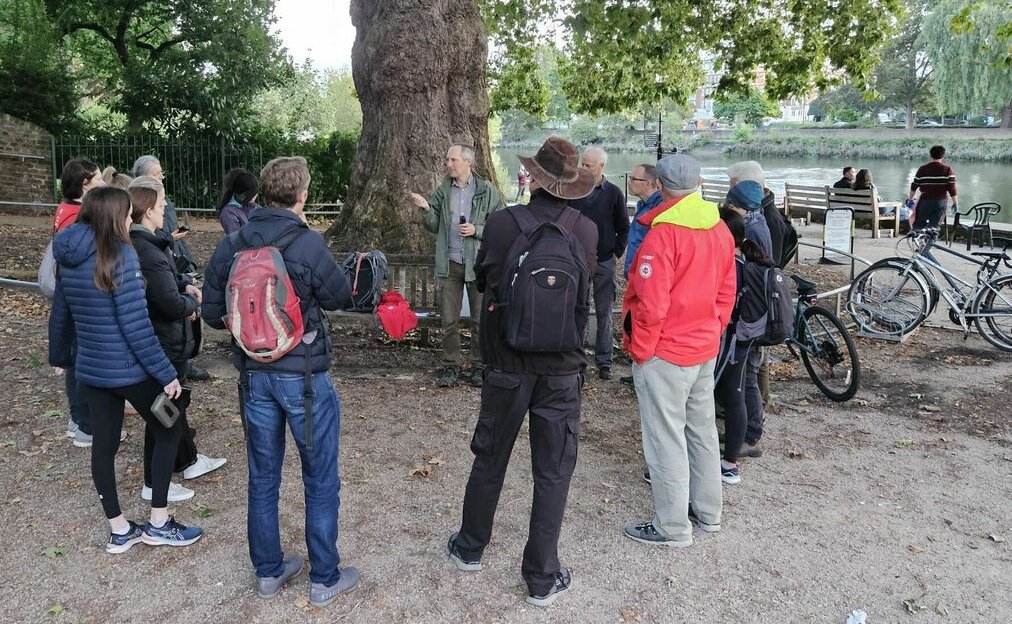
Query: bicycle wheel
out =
(829, 354)
(889, 297)
(996, 303)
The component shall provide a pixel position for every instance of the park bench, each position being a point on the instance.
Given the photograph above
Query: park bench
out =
(715, 190)
(414, 277)
(802, 200)
(866, 206)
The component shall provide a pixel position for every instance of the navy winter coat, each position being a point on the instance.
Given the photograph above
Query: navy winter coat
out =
(116, 345)
(316, 277)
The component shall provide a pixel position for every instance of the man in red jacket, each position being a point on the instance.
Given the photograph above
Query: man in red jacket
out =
(678, 301)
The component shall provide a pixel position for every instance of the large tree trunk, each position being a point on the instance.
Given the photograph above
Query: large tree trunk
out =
(910, 115)
(419, 69)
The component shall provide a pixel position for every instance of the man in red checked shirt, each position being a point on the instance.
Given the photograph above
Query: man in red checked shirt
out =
(678, 301)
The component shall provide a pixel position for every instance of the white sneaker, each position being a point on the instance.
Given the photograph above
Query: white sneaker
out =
(176, 493)
(203, 465)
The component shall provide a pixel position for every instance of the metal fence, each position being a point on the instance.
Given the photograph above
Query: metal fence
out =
(193, 167)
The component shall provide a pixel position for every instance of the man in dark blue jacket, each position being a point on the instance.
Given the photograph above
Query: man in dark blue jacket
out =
(275, 392)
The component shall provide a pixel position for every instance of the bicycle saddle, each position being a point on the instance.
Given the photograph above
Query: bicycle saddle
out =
(804, 284)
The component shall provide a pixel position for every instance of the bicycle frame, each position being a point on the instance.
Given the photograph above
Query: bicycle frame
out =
(954, 297)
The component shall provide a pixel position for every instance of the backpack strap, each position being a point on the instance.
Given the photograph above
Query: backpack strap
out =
(568, 219)
(524, 218)
(284, 238)
(358, 267)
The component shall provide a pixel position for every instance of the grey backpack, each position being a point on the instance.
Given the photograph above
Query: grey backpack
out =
(47, 273)
(765, 315)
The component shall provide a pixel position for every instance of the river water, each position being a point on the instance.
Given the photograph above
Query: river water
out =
(977, 181)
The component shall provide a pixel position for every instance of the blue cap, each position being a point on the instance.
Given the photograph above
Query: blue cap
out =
(747, 195)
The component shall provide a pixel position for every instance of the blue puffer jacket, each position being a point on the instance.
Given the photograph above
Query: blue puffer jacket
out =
(116, 345)
(318, 281)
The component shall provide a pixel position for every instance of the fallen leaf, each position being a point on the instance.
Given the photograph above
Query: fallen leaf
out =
(55, 551)
(236, 421)
(421, 471)
(941, 609)
(929, 408)
(433, 459)
(202, 510)
(795, 455)
(55, 610)
(628, 615)
(302, 602)
(995, 538)
(915, 549)
(52, 414)
(912, 605)
(37, 432)
(904, 443)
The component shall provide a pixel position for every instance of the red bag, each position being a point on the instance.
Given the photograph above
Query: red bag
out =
(395, 315)
(261, 308)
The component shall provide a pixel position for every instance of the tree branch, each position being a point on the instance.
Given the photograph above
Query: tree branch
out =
(156, 53)
(92, 26)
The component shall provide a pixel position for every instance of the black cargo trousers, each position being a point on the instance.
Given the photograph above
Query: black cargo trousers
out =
(554, 405)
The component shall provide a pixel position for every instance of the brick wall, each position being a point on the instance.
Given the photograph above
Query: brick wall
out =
(26, 168)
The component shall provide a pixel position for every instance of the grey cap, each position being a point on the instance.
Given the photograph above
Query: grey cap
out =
(679, 172)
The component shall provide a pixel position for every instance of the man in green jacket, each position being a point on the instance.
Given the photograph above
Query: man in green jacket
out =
(456, 214)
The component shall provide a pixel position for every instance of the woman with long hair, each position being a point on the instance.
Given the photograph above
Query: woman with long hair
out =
(730, 388)
(114, 178)
(172, 306)
(79, 176)
(237, 198)
(99, 301)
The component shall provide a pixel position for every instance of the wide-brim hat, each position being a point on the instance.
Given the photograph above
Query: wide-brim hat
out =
(555, 169)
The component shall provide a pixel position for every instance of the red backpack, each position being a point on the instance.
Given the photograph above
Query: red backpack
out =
(261, 308)
(395, 315)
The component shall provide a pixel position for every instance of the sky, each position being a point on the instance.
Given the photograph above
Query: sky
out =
(319, 30)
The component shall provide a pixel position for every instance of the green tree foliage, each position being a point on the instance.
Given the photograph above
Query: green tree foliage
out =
(751, 108)
(903, 78)
(971, 71)
(174, 65)
(620, 54)
(845, 103)
(311, 104)
(37, 85)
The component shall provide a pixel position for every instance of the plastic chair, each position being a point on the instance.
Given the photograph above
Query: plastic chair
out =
(982, 214)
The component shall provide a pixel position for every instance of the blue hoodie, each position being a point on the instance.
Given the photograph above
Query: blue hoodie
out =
(116, 345)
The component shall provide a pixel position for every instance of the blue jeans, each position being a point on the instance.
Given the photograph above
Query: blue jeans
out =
(271, 400)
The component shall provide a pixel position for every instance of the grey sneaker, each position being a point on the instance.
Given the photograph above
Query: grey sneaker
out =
(270, 586)
(72, 428)
(646, 533)
(320, 595)
(465, 565)
(82, 439)
(706, 526)
(563, 581)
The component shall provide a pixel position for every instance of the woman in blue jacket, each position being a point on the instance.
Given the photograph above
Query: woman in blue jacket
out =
(100, 301)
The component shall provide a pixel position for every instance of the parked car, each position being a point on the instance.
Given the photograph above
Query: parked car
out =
(928, 122)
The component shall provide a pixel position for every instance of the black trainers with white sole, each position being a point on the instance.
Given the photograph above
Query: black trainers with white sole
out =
(462, 563)
(563, 581)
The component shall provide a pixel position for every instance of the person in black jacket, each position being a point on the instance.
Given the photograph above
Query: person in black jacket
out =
(546, 384)
(277, 392)
(172, 306)
(847, 181)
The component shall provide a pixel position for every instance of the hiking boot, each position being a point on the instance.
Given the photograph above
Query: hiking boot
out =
(646, 533)
(121, 543)
(202, 466)
(729, 474)
(171, 533)
(477, 376)
(320, 595)
(627, 380)
(563, 581)
(177, 493)
(465, 565)
(448, 377)
(709, 528)
(604, 373)
(196, 373)
(72, 429)
(750, 450)
(270, 586)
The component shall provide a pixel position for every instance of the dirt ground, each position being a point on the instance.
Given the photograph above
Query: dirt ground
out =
(896, 502)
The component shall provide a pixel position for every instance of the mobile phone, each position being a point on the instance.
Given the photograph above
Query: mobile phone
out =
(183, 228)
(463, 219)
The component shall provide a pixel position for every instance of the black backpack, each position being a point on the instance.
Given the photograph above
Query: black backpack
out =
(545, 289)
(765, 315)
(790, 243)
(366, 272)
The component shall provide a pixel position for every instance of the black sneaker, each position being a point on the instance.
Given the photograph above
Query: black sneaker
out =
(563, 581)
(465, 565)
(604, 373)
(646, 533)
(121, 543)
(448, 377)
(646, 475)
(477, 376)
(196, 373)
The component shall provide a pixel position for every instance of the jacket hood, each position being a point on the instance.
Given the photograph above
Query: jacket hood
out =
(74, 245)
(691, 211)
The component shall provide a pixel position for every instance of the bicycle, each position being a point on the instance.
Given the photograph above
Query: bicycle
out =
(893, 296)
(824, 345)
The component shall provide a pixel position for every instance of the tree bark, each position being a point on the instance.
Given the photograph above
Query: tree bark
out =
(419, 69)
(910, 115)
(1006, 117)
